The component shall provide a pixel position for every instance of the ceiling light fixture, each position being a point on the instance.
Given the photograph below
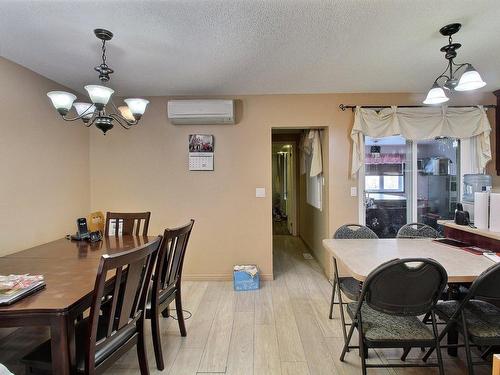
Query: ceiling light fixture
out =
(469, 80)
(95, 112)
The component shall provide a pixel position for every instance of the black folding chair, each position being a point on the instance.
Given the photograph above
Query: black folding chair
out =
(392, 298)
(417, 230)
(349, 286)
(477, 319)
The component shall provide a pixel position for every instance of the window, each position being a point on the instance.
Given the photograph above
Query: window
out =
(314, 186)
(410, 182)
(385, 184)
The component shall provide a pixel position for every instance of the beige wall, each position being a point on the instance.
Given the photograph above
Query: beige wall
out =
(44, 163)
(145, 168)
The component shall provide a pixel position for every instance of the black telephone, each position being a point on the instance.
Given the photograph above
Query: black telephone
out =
(462, 217)
(83, 232)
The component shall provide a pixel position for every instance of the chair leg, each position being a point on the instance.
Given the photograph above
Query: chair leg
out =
(438, 348)
(405, 354)
(333, 297)
(467, 345)
(156, 333)
(341, 303)
(363, 353)
(180, 314)
(141, 348)
(166, 313)
(346, 349)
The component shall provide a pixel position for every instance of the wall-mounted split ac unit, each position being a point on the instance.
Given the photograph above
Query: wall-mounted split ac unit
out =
(201, 112)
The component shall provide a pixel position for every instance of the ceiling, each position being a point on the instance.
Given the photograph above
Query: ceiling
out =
(188, 47)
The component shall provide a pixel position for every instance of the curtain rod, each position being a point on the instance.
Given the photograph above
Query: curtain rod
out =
(344, 107)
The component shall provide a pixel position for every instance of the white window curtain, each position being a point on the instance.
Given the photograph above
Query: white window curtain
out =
(423, 123)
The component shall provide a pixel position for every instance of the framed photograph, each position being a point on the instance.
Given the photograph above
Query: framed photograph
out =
(201, 143)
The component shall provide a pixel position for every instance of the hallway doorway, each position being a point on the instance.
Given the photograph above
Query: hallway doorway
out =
(285, 182)
(300, 188)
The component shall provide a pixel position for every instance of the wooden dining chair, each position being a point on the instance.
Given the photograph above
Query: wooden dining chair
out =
(106, 334)
(394, 295)
(348, 286)
(167, 284)
(130, 223)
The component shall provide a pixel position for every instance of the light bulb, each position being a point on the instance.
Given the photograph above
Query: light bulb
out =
(137, 106)
(62, 101)
(99, 95)
(85, 109)
(125, 112)
(436, 95)
(470, 80)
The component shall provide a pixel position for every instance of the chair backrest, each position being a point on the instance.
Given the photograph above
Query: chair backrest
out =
(96, 222)
(168, 270)
(130, 223)
(487, 285)
(417, 230)
(129, 289)
(354, 231)
(409, 286)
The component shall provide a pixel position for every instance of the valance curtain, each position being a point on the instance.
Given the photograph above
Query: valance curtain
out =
(416, 124)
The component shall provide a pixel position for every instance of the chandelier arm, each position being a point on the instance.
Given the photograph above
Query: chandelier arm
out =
(120, 120)
(459, 66)
(73, 118)
(443, 75)
(91, 122)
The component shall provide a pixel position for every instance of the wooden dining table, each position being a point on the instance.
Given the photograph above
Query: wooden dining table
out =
(69, 269)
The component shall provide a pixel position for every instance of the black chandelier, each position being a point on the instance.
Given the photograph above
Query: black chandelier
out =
(469, 80)
(95, 112)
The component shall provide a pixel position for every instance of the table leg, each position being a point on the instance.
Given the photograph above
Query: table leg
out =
(452, 337)
(60, 348)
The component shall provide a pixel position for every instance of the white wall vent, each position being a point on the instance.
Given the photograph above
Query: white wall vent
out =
(201, 112)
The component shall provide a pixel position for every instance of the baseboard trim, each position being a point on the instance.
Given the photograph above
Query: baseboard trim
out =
(220, 277)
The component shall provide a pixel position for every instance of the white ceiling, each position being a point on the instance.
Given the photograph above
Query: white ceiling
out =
(188, 47)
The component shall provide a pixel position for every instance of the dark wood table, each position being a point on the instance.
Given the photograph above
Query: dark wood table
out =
(69, 269)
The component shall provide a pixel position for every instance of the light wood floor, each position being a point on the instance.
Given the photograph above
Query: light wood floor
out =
(283, 328)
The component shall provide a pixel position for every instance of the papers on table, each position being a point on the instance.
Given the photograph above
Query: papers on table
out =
(492, 256)
(15, 287)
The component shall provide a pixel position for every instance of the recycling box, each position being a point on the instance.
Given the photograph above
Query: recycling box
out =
(246, 277)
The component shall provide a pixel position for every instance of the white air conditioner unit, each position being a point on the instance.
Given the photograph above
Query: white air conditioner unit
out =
(200, 112)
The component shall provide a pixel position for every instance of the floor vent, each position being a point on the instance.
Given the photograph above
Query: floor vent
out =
(307, 256)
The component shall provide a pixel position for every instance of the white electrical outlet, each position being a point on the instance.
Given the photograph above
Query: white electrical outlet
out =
(354, 191)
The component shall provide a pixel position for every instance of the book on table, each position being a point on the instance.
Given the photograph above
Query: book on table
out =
(15, 287)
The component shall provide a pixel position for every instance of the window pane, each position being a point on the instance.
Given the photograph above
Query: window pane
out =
(387, 163)
(392, 183)
(437, 179)
(372, 183)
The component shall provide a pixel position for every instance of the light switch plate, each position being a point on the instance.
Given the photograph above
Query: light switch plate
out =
(354, 191)
(260, 192)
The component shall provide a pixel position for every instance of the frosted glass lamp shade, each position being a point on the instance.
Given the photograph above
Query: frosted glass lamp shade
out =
(470, 80)
(137, 106)
(99, 95)
(85, 109)
(436, 95)
(125, 112)
(62, 101)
